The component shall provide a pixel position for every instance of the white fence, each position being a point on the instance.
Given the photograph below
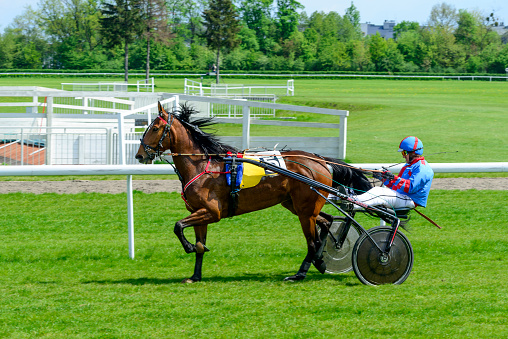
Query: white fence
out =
(124, 112)
(197, 88)
(130, 170)
(234, 111)
(75, 145)
(145, 85)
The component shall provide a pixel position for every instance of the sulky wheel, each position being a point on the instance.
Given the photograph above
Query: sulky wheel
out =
(373, 267)
(338, 260)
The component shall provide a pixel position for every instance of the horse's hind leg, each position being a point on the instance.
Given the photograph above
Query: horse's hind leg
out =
(323, 220)
(310, 232)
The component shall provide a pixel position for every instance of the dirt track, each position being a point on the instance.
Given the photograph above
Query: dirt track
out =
(152, 186)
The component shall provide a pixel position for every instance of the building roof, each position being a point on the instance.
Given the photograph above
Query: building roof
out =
(385, 30)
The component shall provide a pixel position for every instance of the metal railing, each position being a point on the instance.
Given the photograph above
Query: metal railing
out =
(192, 87)
(145, 85)
(235, 111)
(56, 145)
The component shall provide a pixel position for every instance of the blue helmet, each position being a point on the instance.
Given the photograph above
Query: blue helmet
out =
(411, 144)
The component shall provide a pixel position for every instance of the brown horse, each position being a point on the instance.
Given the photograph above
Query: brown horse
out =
(199, 161)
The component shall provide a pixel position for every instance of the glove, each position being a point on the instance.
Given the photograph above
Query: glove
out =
(383, 176)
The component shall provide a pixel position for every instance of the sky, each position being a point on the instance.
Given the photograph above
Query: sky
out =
(373, 11)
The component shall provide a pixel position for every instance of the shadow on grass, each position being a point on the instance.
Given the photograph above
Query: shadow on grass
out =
(343, 278)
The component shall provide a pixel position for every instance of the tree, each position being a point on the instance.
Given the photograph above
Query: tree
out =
(287, 17)
(121, 25)
(405, 26)
(30, 50)
(359, 54)
(222, 27)
(72, 27)
(352, 17)
(409, 44)
(443, 16)
(7, 47)
(377, 49)
(257, 17)
(156, 26)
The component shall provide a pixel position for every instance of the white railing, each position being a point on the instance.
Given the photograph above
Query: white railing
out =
(336, 146)
(42, 145)
(130, 170)
(145, 85)
(196, 88)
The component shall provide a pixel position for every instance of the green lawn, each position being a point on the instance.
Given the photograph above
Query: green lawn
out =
(65, 273)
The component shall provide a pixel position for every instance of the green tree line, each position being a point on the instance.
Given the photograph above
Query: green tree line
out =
(263, 35)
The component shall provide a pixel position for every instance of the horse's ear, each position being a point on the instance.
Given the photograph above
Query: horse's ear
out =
(161, 109)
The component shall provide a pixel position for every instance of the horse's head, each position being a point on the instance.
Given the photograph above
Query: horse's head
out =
(153, 141)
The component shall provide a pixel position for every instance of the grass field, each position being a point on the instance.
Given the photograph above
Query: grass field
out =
(465, 118)
(65, 273)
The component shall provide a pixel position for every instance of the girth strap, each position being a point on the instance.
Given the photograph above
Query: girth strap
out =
(233, 195)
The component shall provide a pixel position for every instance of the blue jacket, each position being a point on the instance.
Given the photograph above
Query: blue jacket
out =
(414, 180)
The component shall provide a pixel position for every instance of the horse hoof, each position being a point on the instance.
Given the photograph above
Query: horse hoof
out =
(296, 277)
(320, 265)
(188, 281)
(190, 249)
(201, 248)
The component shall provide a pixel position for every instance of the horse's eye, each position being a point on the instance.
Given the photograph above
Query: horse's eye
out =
(155, 129)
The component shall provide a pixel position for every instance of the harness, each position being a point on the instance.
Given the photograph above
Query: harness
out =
(206, 171)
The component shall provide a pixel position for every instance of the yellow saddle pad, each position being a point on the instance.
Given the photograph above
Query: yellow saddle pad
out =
(253, 174)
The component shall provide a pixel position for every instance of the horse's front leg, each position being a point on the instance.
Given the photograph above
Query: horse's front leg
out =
(200, 246)
(199, 218)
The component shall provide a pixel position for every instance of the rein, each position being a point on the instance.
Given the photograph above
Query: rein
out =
(282, 155)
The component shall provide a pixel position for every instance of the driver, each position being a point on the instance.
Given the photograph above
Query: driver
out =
(408, 189)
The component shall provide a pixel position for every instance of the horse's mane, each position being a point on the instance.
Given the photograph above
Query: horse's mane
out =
(208, 142)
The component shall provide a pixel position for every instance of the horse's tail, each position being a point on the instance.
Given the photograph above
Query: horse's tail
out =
(346, 175)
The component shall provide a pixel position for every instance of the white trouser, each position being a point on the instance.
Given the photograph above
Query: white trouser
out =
(384, 196)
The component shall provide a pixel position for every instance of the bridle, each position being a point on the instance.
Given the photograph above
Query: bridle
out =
(157, 151)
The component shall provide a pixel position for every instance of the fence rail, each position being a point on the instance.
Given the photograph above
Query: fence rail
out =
(288, 75)
(192, 87)
(145, 85)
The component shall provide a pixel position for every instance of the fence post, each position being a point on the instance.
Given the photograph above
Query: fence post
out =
(130, 216)
(246, 127)
(49, 124)
(85, 104)
(121, 139)
(343, 136)
(130, 203)
(109, 147)
(22, 148)
(36, 104)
